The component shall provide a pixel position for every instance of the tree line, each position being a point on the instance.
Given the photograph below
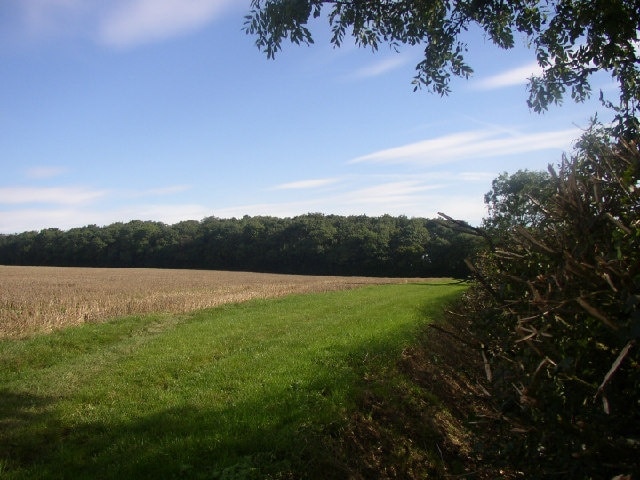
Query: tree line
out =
(307, 244)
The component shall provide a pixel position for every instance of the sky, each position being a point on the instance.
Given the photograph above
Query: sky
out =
(165, 110)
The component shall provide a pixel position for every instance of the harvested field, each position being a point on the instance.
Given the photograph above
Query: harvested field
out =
(42, 299)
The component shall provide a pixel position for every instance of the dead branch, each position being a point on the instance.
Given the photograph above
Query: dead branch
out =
(614, 367)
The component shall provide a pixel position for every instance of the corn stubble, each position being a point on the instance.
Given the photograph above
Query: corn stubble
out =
(42, 299)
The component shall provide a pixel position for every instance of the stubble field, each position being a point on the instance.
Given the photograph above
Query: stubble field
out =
(43, 299)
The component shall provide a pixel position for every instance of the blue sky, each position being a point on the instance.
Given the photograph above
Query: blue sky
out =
(114, 110)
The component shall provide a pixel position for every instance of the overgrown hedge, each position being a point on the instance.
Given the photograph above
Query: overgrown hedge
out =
(558, 309)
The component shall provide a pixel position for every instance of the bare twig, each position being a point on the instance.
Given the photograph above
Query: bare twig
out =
(596, 313)
(534, 241)
(614, 367)
(485, 283)
(487, 367)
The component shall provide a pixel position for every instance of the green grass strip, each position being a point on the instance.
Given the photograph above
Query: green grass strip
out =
(230, 392)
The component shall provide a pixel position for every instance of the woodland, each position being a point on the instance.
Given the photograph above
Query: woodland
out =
(313, 244)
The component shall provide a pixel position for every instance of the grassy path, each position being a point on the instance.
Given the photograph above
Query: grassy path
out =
(239, 391)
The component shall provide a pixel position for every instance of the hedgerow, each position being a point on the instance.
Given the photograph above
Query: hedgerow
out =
(557, 309)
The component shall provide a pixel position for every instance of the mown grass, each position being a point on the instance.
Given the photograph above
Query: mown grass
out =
(238, 391)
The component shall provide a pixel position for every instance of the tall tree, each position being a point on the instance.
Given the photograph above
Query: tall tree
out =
(571, 39)
(518, 199)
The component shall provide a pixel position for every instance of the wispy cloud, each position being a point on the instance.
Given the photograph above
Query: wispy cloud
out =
(45, 172)
(306, 184)
(118, 23)
(55, 195)
(143, 21)
(469, 208)
(166, 213)
(414, 198)
(66, 217)
(390, 192)
(25, 220)
(379, 68)
(485, 177)
(433, 151)
(471, 145)
(412, 194)
(515, 76)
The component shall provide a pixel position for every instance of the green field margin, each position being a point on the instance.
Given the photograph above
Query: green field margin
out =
(238, 391)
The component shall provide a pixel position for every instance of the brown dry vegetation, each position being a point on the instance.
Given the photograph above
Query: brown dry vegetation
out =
(440, 425)
(43, 299)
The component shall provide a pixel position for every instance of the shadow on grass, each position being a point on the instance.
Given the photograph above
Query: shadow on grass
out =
(303, 430)
(288, 440)
(24, 418)
(172, 443)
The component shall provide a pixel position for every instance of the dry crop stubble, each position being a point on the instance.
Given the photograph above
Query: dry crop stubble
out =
(43, 299)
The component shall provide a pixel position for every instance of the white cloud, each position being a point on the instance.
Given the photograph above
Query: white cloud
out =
(459, 194)
(166, 213)
(55, 195)
(516, 76)
(45, 172)
(471, 145)
(23, 220)
(275, 209)
(470, 208)
(143, 21)
(484, 177)
(412, 201)
(418, 195)
(441, 147)
(379, 68)
(306, 184)
(391, 192)
(117, 23)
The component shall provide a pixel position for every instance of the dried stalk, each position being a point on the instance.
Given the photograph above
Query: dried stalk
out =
(614, 367)
(596, 313)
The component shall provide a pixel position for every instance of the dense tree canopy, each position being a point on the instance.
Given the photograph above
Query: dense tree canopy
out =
(571, 39)
(307, 244)
(517, 199)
